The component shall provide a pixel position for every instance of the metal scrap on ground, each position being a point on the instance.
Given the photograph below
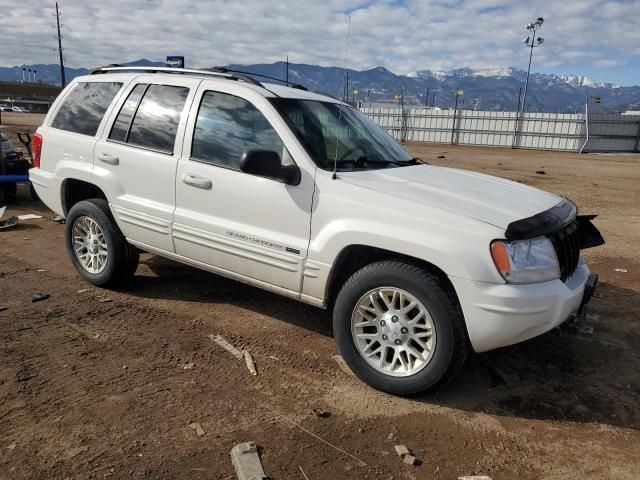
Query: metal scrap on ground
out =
(246, 462)
(227, 346)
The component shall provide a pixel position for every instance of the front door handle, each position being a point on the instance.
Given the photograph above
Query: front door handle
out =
(108, 158)
(196, 181)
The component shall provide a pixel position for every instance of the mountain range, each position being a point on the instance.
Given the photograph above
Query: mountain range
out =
(484, 89)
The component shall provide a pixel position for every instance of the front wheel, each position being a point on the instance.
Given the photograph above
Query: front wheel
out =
(96, 246)
(400, 328)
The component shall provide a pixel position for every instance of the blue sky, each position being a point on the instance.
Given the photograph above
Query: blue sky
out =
(596, 38)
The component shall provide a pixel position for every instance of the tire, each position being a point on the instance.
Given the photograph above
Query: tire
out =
(448, 347)
(118, 265)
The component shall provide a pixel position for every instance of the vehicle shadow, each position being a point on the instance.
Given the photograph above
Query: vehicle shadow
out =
(590, 376)
(585, 377)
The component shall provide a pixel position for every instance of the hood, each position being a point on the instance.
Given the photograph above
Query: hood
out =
(489, 199)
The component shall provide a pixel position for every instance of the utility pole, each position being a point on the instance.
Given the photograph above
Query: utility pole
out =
(59, 36)
(426, 102)
(532, 42)
(287, 71)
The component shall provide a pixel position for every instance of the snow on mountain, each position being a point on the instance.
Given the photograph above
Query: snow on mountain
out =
(510, 72)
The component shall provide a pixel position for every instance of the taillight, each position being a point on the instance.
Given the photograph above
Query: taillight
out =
(36, 150)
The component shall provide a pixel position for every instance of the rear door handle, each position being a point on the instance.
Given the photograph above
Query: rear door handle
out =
(196, 181)
(108, 158)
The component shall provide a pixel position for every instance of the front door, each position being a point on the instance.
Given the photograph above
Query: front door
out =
(245, 226)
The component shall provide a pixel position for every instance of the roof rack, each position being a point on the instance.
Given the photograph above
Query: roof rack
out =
(214, 72)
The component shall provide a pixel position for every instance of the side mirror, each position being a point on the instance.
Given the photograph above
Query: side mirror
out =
(266, 163)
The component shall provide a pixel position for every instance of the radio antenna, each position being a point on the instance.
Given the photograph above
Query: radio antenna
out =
(346, 56)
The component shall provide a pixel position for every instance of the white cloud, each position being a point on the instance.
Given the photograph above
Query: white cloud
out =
(403, 36)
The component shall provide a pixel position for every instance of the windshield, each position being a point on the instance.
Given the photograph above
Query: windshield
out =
(331, 131)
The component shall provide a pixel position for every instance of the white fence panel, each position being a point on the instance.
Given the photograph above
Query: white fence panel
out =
(546, 131)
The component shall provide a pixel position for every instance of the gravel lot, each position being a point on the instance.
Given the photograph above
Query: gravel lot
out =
(93, 383)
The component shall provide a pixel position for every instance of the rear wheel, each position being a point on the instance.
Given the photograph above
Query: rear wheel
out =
(400, 328)
(97, 248)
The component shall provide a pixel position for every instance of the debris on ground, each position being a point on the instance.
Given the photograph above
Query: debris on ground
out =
(409, 460)
(540, 172)
(29, 216)
(250, 363)
(405, 454)
(391, 436)
(246, 462)
(83, 290)
(621, 270)
(475, 477)
(441, 156)
(227, 346)
(586, 330)
(8, 223)
(188, 366)
(38, 297)
(59, 219)
(302, 471)
(402, 450)
(105, 299)
(361, 463)
(96, 336)
(41, 270)
(12, 446)
(3, 308)
(197, 428)
(343, 365)
(21, 328)
(318, 412)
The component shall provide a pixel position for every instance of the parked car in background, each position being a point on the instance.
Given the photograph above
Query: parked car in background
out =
(303, 195)
(20, 110)
(6, 144)
(5, 108)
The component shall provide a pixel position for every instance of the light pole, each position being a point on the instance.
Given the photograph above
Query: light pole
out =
(532, 42)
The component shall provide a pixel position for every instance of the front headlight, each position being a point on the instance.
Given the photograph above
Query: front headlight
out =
(526, 261)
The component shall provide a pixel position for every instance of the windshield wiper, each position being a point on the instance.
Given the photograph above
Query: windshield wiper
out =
(363, 161)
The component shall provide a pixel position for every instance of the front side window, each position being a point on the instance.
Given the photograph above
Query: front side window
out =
(84, 106)
(332, 132)
(150, 116)
(227, 126)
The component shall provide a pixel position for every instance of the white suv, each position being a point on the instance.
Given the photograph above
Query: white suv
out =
(301, 194)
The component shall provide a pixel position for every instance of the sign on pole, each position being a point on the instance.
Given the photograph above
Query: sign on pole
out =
(175, 62)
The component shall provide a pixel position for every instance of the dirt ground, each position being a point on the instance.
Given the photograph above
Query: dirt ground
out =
(97, 384)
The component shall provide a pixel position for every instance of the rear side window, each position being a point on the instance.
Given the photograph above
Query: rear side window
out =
(84, 106)
(227, 126)
(150, 116)
(120, 128)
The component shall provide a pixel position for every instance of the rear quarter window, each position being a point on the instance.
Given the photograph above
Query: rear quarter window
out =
(84, 106)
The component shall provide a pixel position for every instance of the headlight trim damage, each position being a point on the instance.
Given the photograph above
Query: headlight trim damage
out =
(545, 246)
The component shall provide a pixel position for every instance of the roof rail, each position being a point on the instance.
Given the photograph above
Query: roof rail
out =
(287, 83)
(148, 69)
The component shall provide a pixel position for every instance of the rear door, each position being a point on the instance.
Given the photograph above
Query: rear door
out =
(137, 156)
(246, 226)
